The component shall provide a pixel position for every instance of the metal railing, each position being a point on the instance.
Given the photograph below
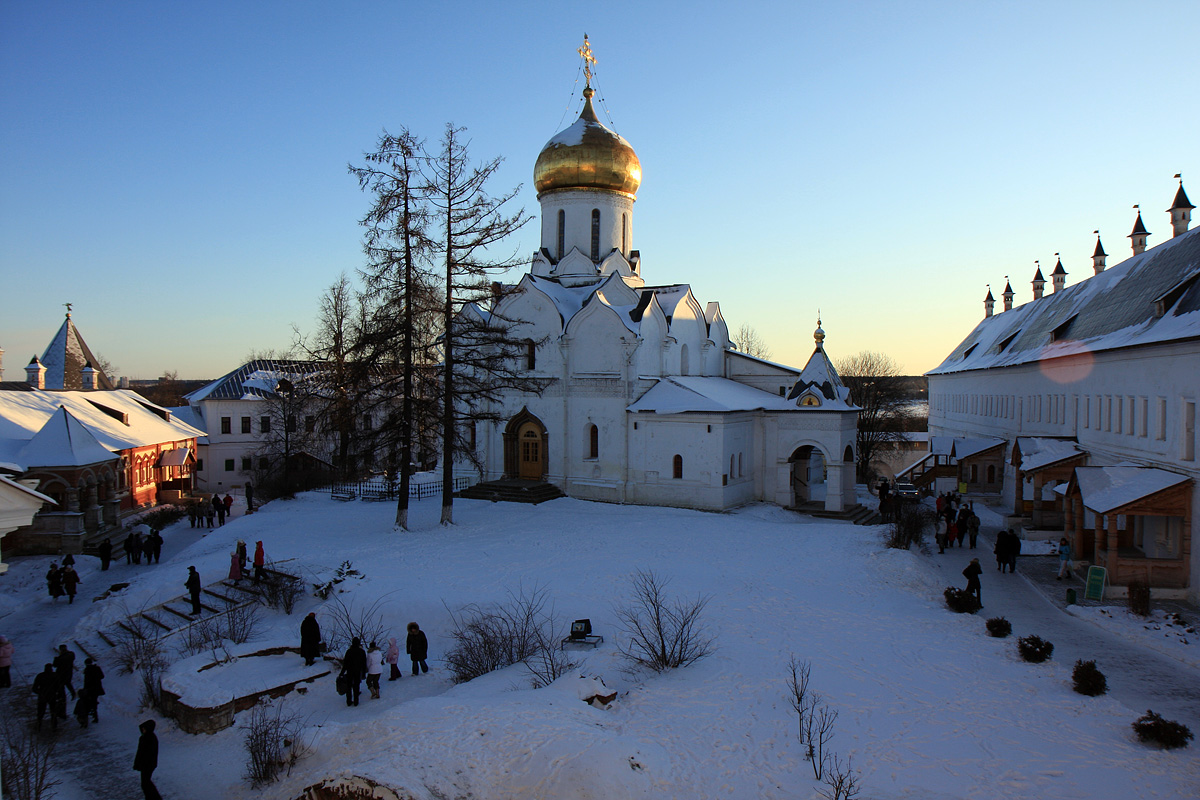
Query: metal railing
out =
(384, 489)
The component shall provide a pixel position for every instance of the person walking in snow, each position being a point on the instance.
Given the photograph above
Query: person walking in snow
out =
(105, 551)
(241, 551)
(417, 647)
(1014, 550)
(972, 573)
(156, 541)
(145, 760)
(310, 639)
(209, 514)
(64, 668)
(93, 687)
(260, 562)
(354, 667)
(148, 547)
(219, 509)
(129, 545)
(70, 582)
(192, 514)
(228, 502)
(50, 695)
(973, 527)
(1001, 550)
(374, 669)
(6, 656)
(138, 547)
(235, 568)
(249, 497)
(193, 586)
(392, 657)
(54, 581)
(1064, 559)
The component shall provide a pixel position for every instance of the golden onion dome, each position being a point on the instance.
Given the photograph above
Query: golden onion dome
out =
(587, 155)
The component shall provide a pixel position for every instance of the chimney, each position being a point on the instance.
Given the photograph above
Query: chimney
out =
(1180, 211)
(1098, 256)
(1039, 283)
(35, 374)
(88, 377)
(1140, 234)
(989, 303)
(1058, 278)
(1007, 294)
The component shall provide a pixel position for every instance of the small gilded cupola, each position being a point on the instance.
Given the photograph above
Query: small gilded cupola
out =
(1140, 234)
(1099, 256)
(1058, 278)
(1180, 211)
(1039, 283)
(1008, 294)
(819, 385)
(989, 303)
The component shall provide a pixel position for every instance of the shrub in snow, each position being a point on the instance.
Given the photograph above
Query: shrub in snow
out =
(1139, 598)
(344, 572)
(25, 758)
(1166, 733)
(961, 601)
(999, 627)
(661, 633)
(841, 780)
(1088, 679)
(162, 516)
(491, 637)
(275, 741)
(280, 590)
(1034, 649)
(346, 622)
(909, 523)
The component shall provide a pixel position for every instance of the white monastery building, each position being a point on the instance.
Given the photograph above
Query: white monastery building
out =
(648, 401)
(1091, 390)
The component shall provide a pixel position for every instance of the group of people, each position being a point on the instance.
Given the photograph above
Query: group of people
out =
(960, 521)
(63, 580)
(237, 562)
(359, 664)
(53, 683)
(138, 546)
(1008, 547)
(202, 514)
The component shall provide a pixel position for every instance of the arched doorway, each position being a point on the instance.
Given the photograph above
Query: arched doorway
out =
(808, 475)
(525, 447)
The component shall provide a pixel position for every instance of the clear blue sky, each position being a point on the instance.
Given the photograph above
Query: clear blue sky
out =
(177, 171)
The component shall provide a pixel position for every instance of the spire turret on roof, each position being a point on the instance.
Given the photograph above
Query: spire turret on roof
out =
(1140, 234)
(1008, 294)
(1058, 278)
(1180, 211)
(1039, 283)
(989, 303)
(1099, 255)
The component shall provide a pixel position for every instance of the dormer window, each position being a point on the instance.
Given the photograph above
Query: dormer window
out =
(1063, 330)
(1007, 341)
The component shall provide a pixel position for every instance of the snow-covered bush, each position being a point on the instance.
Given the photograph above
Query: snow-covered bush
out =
(275, 741)
(910, 521)
(1166, 733)
(1088, 679)
(347, 622)
(1139, 598)
(344, 572)
(491, 637)
(1034, 649)
(25, 760)
(999, 627)
(162, 516)
(961, 601)
(662, 633)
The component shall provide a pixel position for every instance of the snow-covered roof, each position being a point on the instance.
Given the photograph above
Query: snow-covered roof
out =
(679, 394)
(1106, 489)
(16, 486)
(255, 380)
(1149, 298)
(117, 420)
(820, 377)
(64, 442)
(66, 356)
(962, 447)
(1039, 452)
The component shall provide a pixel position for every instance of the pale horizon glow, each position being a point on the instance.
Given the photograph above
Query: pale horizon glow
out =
(179, 173)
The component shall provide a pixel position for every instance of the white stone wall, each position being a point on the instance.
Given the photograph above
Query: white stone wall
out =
(578, 205)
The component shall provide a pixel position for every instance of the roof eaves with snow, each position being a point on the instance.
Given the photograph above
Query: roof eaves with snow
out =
(1106, 489)
(680, 394)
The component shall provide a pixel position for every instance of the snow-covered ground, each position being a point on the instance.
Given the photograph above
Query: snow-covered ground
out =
(929, 706)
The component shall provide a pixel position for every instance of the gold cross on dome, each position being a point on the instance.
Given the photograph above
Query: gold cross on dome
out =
(585, 53)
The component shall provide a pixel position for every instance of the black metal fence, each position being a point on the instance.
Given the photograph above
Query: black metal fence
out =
(384, 489)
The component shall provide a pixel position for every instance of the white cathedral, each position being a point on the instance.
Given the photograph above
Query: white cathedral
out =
(648, 401)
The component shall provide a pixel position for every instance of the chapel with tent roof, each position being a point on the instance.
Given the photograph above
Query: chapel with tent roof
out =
(647, 399)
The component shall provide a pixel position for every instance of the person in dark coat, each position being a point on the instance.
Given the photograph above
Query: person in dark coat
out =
(129, 545)
(193, 586)
(93, 687)
(145, 760)
(972, 573)
(64, 668)
(209, 513)
(249, 497)
(417, 647)
(50, 695)
(105, 550)
(310, 639)
(973, 528)
(1001, 550)
(70, 582)
(156, 543)
(219, 507)
(1014, 550)
(241, 551)
(192, 515)
(354, 667)
(54, 581)
(6, 657)
(148, 548)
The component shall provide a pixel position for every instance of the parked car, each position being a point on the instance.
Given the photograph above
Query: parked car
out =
(906, 491)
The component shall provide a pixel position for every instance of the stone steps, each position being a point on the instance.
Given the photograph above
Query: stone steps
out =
(512, 491)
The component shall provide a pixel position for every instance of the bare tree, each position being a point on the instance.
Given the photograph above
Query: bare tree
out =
(479, 358)
(841, 779)
(818, 732)
(798, 695)
(662, 633)
(750, 343)
(876, 387)
(289, 394)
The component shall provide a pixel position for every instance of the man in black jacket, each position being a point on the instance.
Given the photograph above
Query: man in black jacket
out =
(354, 666)
(193, 586)
(50, 694)
(146, 759)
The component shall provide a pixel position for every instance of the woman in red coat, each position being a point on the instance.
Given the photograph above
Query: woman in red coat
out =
(260, 560)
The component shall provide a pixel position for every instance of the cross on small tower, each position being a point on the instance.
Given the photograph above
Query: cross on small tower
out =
(585, 53)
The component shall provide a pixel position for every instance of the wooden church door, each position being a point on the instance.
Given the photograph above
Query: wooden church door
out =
(529, 442)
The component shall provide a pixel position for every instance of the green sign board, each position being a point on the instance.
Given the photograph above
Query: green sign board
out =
(1096, 577)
